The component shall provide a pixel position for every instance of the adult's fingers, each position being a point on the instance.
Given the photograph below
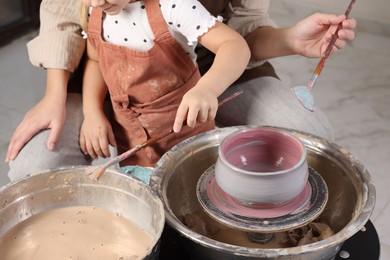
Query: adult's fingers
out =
(346, 35)
(22, 134)
(349, 23)
(328, 19)
(54, 136)
(339, 44)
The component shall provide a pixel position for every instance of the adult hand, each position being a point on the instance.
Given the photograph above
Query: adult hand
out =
(48, 113)
(95, 135)
(197, 105)
(311, 36)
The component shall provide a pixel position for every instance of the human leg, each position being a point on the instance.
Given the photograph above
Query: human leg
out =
(267, 101)
(35, 157)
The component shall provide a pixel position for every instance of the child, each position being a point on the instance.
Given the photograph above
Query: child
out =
(144, 52)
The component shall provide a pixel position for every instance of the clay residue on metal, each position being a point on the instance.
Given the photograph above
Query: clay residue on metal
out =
(203, 224)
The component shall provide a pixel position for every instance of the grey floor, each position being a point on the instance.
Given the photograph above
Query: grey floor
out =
(353, 91)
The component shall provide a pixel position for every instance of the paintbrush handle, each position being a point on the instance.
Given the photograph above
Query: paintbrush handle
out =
(135, 149)
(234, 95)
(333, 39)
(122, 156)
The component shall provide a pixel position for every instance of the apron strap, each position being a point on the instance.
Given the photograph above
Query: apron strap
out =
(95, 21)
(156, 20)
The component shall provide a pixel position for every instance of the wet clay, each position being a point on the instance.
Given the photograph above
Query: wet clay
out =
(201, 223)
(75, 233)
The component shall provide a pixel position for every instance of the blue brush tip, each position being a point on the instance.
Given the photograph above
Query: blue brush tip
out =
(305, 97)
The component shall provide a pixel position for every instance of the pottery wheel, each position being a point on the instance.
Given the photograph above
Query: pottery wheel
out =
(298, 212)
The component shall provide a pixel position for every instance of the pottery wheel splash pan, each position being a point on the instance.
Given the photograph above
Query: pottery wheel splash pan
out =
(303, 209)
(350, 204)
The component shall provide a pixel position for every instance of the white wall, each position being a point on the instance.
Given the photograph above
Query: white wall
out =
(375, 10)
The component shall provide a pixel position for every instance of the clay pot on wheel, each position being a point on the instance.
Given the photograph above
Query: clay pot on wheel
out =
(261, 166)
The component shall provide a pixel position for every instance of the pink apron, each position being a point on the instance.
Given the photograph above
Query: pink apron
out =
(146, 87)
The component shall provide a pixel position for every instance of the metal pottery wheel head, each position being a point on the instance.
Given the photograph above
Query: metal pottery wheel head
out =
(303, 209)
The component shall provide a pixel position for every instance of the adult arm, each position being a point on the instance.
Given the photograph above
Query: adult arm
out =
(58, 47)
(308, 37)
(59, 43)
(48, 113)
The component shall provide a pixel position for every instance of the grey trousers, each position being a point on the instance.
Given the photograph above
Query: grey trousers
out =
(265, 101)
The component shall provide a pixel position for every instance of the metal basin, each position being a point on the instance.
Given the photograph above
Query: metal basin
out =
(350, 203)
(67, 187)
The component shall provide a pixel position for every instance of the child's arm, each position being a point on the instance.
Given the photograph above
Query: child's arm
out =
(96, 132)
(232, 56)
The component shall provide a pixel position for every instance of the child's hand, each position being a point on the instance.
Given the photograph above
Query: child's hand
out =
(95, 136)
(197, 105)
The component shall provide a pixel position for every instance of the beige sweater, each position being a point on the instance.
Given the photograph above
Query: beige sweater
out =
(61, 45)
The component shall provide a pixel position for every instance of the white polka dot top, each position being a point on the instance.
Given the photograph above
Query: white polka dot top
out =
(186, 20)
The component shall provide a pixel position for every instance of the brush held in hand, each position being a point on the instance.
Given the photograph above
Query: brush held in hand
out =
(304, 93)
(95, 172)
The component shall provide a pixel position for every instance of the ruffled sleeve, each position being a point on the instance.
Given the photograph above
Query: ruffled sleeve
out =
(191, 19)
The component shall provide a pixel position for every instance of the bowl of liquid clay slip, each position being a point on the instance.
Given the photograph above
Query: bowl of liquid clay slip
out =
(64, 214)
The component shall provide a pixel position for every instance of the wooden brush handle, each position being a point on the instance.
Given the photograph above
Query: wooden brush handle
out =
(98, 172)
(321, 64)
(154, 139)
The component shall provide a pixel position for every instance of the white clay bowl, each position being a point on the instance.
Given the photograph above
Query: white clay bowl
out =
(262, 166)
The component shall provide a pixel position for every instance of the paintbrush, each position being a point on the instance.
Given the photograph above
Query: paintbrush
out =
(95, 172)
(304, 93)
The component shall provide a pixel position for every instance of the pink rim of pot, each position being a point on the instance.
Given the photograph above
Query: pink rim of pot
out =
(230, 138)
